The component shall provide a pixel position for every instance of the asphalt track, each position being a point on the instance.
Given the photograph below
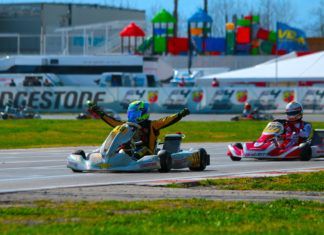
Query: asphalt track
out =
(35, 169)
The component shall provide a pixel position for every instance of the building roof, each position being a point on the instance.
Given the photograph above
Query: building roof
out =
(304, 68)
(96, 3)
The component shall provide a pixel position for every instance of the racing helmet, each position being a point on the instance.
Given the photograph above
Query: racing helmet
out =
(138, 111)
(247, 106)
(294, 111)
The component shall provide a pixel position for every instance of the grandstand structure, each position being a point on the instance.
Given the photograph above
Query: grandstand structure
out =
(69, 27)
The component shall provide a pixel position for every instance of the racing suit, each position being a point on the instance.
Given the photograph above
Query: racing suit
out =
(295, 132)
(246, 113)
(150, 130)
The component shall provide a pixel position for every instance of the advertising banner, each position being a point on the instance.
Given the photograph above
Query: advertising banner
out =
(312, 99)
(164, 99)
(55, 99)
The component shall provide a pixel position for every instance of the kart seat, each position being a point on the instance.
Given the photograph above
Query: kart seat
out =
(172, 143)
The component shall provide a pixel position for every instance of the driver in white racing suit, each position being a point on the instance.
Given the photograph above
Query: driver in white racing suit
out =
(296, 130)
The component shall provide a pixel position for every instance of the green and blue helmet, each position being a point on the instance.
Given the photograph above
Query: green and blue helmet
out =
(138, 111)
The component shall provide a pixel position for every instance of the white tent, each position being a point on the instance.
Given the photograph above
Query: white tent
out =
(304, 68)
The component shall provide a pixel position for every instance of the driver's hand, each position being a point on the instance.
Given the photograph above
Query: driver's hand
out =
(92, 107)
(184, 112)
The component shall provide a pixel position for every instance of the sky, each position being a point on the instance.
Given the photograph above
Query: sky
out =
(188, 7)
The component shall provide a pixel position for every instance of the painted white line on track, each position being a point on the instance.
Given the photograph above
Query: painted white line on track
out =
(33, 167)
(43, 177)
(39, 161)
(45, 155)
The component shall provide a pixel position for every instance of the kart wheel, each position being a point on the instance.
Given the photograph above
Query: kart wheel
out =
(76, 171)
(306, 153)
(235, 118)
(203, 160)
(82, 153)
(235, 159)
(165, 161)
(4, 116)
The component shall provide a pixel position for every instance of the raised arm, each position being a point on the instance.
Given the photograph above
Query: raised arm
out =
(93, 108)
(170, 120)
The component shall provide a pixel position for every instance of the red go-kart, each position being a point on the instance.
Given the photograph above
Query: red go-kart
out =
(275, 144)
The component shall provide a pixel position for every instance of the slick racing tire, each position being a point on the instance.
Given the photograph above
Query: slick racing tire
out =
(306, 153)
(203, 160)
(235, 118)
(5, 116)
(236, 159)
(165, 161)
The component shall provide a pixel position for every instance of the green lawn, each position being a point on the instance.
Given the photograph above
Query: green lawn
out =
(194, 216)
(313, 181)
(52, 133)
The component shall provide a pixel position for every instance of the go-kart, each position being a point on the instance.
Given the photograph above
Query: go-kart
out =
(271, 145)
(19, 113)
(88, 115)
(255, 115)
(118, 153)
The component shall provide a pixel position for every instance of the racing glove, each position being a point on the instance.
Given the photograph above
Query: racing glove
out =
(184, 112)
(93, 108)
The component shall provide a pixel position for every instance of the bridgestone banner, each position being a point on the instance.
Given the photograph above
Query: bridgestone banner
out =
(163, 99)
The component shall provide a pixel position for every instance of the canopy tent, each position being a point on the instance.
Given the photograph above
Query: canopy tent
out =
(131, 30)
(300, 69)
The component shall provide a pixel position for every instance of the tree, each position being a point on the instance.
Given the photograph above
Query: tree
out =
(316, 26)
(272, 11)
(222, 11)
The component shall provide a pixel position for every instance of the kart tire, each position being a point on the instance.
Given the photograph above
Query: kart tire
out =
(306, 153)
(76, 171)
(165, 161)
(203, 160)
(235, 118)
(235, 159)
(4, 116)
(82, 153)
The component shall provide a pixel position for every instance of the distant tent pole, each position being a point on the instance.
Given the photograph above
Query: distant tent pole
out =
(175, 15)
(153, 36)
(122, 44)
(205, 24)
(190, 49)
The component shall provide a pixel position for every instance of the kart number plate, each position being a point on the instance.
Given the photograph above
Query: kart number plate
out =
(273, 128)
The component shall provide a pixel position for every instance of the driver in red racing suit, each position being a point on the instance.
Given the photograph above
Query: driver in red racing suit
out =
(296, 130)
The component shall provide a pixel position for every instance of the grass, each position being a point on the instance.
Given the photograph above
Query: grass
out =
(195, 216)
(313, 181)
(53, 133)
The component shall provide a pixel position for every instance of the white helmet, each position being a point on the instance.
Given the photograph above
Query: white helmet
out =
(294, 111)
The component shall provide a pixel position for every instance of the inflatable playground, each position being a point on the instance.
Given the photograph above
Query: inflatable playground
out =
(244, 36)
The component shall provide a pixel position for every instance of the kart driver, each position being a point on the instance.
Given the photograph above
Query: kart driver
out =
(247, 110)
(138, 112)
(296, 130)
